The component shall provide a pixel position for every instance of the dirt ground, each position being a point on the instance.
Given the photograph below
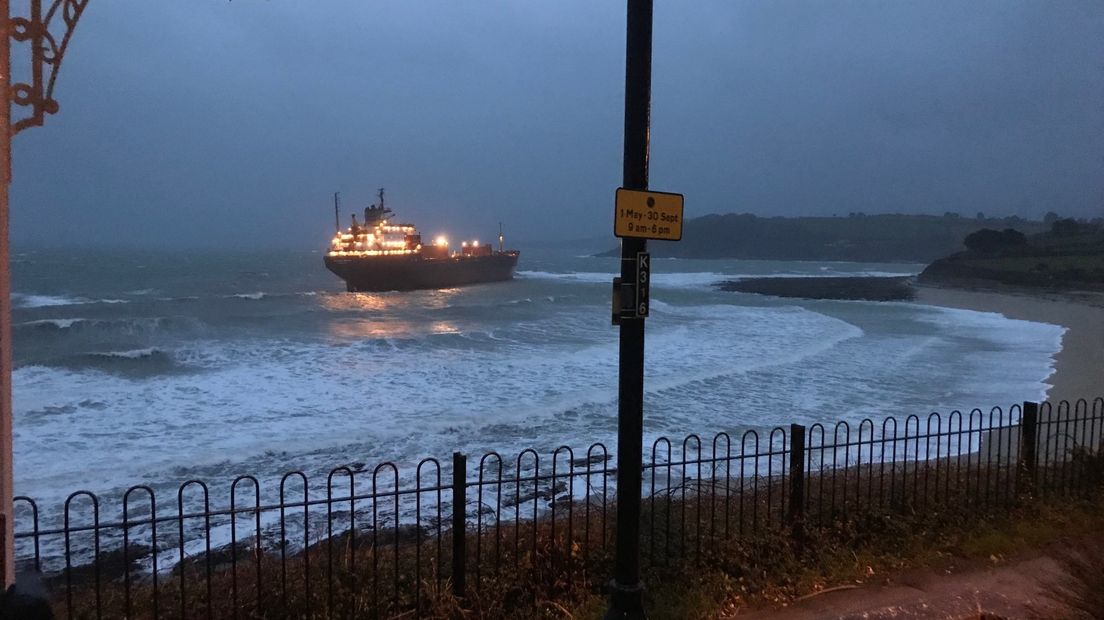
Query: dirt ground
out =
(1010, 590)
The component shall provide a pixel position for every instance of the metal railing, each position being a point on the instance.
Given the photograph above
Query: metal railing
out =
(384, 541)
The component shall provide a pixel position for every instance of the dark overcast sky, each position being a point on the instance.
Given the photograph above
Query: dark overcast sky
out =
(207, 122)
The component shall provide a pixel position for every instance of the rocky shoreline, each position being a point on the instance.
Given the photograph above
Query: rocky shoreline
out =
(861, 288)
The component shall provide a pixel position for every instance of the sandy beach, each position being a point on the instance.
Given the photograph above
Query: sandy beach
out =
(1079, 366)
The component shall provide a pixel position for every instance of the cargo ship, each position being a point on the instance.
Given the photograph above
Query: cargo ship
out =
(379, 255)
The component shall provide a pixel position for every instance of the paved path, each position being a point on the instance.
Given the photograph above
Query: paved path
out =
(1010, 591)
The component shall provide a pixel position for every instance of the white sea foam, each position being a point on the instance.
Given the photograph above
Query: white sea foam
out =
(826, 273)
(692, 279)
(25, 300)
(1025, 346)
(573, 276)
(58, 323)
(128, 325)
(132, 354)
(258, 389)
(699, 279)
(405, 376)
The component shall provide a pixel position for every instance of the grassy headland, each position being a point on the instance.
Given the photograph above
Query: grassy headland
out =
(1068, 256)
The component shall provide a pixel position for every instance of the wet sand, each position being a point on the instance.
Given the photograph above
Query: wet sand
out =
(1079, 366)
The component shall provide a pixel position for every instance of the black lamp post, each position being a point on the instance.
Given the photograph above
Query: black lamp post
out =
(626, 589)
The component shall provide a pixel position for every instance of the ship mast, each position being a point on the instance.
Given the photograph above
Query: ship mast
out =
(337, 211)
(500, 236)
(381, 198)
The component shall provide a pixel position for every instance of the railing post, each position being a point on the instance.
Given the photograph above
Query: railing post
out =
(459, 522)
(797, 474)
(1029, 437)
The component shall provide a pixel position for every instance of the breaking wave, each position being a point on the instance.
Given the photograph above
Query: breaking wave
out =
(672, 280)
(26, 301)
(133, 354)
(132, 363)
(126, 326)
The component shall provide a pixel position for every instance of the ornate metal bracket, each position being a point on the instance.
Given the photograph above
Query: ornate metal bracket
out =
(46, 54)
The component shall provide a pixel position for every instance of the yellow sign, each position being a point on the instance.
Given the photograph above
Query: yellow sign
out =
(647, 215)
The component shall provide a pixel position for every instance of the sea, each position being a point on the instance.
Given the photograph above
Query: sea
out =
(158, 367)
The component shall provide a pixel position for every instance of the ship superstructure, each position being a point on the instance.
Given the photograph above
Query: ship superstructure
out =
(378, 255)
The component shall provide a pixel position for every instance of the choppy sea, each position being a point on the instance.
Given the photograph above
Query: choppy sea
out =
(155, 368)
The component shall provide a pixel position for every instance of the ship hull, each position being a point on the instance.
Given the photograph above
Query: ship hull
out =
(408, 273)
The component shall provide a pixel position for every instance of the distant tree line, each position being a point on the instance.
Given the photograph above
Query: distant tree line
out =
(1062, 232)
(858, 237)
(989, 241)
(1068, 254)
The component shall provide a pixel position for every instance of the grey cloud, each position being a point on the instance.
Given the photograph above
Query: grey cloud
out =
(215, 123)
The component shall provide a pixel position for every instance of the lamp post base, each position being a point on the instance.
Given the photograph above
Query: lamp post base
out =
(626, 602)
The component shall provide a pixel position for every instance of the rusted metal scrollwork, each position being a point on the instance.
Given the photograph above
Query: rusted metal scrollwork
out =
(48, 38)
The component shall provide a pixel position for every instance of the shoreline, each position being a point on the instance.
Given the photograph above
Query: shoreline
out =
(864, 288)
(1078, 363)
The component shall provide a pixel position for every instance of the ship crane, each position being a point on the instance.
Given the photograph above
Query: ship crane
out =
(337, 211)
